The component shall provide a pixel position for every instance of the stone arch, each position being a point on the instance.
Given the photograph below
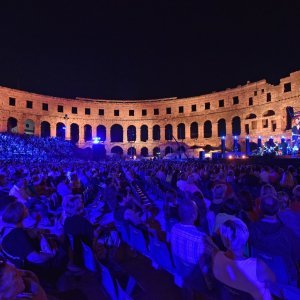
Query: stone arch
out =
(236, 125)
(168, 150)
(74, 133)
(144, 133)
(61, 130)
(101, 132)
(131, 151)
(221, 127)
(29, 127)
(156, 133)
(45, 129)
(12, 125)
(181, 131)
(269, 113)
(117, 150)
(144, 152)
(168, 132)
(207, 129)
(251, 116)
(116, 133)
(88, 135)
(156, 152)
(131, 133)
(194, 130)
(289, 116)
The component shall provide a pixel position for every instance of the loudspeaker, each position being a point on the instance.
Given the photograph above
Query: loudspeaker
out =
(99, 152)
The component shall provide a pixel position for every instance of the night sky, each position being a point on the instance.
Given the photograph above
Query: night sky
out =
(145, 49)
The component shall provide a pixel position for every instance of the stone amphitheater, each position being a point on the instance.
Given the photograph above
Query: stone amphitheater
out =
(149, 127)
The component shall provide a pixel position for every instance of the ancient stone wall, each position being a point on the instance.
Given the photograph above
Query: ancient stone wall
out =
(258, 108)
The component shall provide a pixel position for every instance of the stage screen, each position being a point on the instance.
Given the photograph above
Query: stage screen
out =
(296, 128)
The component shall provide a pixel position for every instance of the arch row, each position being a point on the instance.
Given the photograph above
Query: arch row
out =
(116, 133)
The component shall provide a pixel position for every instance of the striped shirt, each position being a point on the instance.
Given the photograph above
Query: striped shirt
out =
(189, 244)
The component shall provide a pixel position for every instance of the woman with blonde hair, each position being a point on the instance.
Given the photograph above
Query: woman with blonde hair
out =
(235, 271)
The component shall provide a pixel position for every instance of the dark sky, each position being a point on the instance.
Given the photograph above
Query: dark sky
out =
(145, 49)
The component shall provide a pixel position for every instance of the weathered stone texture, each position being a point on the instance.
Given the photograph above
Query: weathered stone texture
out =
(269, 117)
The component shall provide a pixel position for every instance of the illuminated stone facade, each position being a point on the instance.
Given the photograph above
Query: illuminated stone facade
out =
(254, 109)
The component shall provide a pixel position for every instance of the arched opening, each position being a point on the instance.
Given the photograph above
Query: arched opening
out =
(251, 116)
(116, 133)
(117, 150)
(88, 133)
(45, 129)
(156, 152)
(269, 113)
(101, 132)
(221, 127)
(131, 151)
(236, 126)
(12, 125)
(289, 117)
(144, 133)
(168, 150)
(29, 127)
(144, 152)
(207, 129)
(194, 130)
(74, 132)
(60, 130)
(156, 133)
(181, 131)
(168, 132)
(131, 133)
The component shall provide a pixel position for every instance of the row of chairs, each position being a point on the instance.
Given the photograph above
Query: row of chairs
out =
(157, 251)
(112, 285)
(144, 199)
(160, 255)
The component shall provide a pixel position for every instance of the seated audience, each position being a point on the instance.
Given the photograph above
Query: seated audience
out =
(48, 181)
(271, 237)
(19, 284)
(191, 247)
(295, 203)
(14, 234)
(219, 192)
(76, 227)
(18, 191)
(234, 270)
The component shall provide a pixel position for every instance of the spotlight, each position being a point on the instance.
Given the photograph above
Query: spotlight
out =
(230, 157)
(96, 140)
(243, 156)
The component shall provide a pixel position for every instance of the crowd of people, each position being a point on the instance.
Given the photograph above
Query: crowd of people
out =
(33, 148)
(233, 229)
